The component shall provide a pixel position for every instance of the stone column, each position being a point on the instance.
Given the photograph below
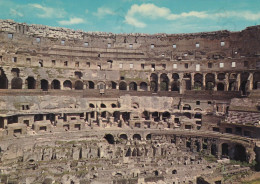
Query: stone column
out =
(192, 80)
(250, 78)
(215, 82)
(5, 122)
(204, 81)
(238, 81)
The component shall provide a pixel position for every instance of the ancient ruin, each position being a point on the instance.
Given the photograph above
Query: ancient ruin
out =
(87, 107)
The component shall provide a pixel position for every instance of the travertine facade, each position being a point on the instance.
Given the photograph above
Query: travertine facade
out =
(80, 107)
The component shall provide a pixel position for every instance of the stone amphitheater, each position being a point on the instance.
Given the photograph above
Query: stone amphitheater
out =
(91, 107)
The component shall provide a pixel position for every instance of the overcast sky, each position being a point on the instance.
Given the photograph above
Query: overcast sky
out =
(144, 16)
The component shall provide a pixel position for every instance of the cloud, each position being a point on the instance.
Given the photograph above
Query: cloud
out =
(102, 12)
(71, 21)
(48, 12)
(150, 11)
(15, 13)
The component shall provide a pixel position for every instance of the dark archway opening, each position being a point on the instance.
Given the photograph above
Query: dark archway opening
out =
(123, 136)
(67, 84)
(225, 151)
(136, 137)
(78, 85)
(154, 82)
(240, 153)
(3, 80)
(213, 149)
(55, 84)
(143, 86)
(122, 86)
(110, 138)
(132, 86)
(113, 85)
(16, 83)
(91, 85)
(220, 87)
(44, 85)
(31, 83)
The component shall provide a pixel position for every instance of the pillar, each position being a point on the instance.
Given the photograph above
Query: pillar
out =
(238, 81)
(5, 122)
(204, 81)
(192, 80)
(250, 78)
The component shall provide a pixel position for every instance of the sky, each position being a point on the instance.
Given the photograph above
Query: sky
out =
(136, 16)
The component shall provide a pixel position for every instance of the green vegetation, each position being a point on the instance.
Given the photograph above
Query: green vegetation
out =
(243, 164)
(257, 181)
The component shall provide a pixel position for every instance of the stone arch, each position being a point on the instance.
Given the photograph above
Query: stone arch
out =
(126, 116)
(132, 86)
(113, 105)
(3, 80)
(113, 85)
(122, 85)
(143, 86)
(240, 153)
(175, 86)
(135, 105)
(175, 77)
(104, 114)
(225, 149)
(232, 86)
(256, 80)
(110, 138)
(213, 149)
(186, 107)
(244, 82)
(91, 105)
(116, 115)
(31, 83)
(44, 85)
(148, 137)
(128, 153)
(67, 84)
(16, 83)
(101, 85)
(164, 82)
(123, 136)
(220, 86)
(55, 84)
(134, 153)
(154, 82)
(91, 85)
(210, 81)
(103, 105)
(187, 79)
(198, 81)
(145, 115)
(166, 115)
(137, 137)
(78, 85)
(155, 116)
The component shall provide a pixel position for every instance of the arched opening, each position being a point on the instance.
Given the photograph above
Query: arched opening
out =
(145, 115)
(187, 115)
(175, 77)
(126, 116)
(166, 115)
(143, 86)
(198, 115)
(31, 83)
(44, 85)
(186, 107)
(113, 85)
(187, 78)
(213, 149)
(128, 153)
(91, 105)
(3, 80)
(244, 84)
(148, 137)
(55, 84)
(164, 82)
(154, 82)
(101, 86)
(225, 151)
(67, 84)
(134, 153)
(113, 105)
(104, 114)
(116, 116)
(123, 136)
(78, 85)
(198, 80)
(91, 85)
(256, 80)
(103, 105)
(198, 147)
(220, 87)
(174, 171)
(132, 86)
(136, 137)
(240, 153)
(78, 74)
(122, 86)
(155, 116)
(156, 173)
(210, 81)
(110, 138)
(16, 83)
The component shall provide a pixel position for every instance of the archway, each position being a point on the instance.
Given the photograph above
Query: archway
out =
(122, 86)
(3, 80)
(91, 85)
(213, 149)
(44, 85)
(256, 80)
(110, 138)
(221, 76)
(175, 86)
(232, 86)
(220, 87)
(225, 151)
(67, 84)
(16, 83)
(210, 81)
(123, 136)
(154, 82)
(136, 137)
(31, 83)
(166, 115)
(240, 153)
(243, 79)
(78, 85)
(187, 78)
(198, 80)
(164, 82)
(55, 84)
(113, 85)
(132, 86)
(143, 86)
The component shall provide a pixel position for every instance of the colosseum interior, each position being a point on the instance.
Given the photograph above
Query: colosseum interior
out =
(90, 107)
